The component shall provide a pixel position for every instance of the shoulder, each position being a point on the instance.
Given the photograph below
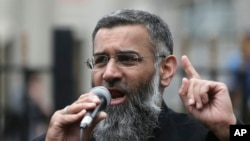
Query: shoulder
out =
(183, 120)
(179, 127)
(40, 138)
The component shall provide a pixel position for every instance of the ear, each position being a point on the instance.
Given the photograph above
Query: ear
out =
(168, 68)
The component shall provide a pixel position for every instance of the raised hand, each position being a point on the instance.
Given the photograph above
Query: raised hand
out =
(208, 101)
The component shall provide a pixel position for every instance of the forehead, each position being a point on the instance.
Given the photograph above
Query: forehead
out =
(123, 38)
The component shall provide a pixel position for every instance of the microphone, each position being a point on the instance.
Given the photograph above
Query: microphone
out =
(104, 95)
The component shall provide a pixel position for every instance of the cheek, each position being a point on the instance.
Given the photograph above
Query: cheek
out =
(96, 78)
(140, 77)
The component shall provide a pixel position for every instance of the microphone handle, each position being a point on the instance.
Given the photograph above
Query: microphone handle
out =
(88, 118)
(98, 108)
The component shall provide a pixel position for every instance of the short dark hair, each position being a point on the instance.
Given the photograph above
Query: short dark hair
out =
(159, 32)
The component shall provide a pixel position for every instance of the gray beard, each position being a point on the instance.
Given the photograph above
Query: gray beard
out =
(135, 119)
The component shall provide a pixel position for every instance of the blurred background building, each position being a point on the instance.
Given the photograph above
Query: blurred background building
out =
(44, 43)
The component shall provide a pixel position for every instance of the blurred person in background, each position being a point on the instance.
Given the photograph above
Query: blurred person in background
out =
(30, 118)
(37, 110)
(133, 58)
(239, 87)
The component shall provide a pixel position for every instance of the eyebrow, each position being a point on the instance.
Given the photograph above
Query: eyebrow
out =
(120, 52)
(99, 53)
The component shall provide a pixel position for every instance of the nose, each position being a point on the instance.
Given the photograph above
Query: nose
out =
(112, 72)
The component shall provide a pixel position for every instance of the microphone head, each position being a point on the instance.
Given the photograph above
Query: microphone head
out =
(102, 92)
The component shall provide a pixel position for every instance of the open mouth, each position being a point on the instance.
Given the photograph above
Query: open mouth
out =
(117, 96)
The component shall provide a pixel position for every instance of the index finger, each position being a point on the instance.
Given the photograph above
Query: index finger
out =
(188, 68)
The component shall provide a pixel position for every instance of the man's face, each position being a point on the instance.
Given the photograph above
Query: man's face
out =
(136, 99)
(123, 40)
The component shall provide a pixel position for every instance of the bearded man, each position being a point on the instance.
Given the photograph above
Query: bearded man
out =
(133, 58)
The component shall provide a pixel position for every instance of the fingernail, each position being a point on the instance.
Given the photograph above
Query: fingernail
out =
(190, 101)
(95, 98)
(198, 105)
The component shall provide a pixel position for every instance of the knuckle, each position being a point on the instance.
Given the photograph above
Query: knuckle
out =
(223, 86)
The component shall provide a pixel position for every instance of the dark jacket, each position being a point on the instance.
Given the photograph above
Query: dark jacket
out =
(180, 127)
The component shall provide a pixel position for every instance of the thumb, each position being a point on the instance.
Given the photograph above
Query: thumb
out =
(102, 115)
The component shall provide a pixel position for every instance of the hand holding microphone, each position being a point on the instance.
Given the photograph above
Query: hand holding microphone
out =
(105, 98)
(65, 119)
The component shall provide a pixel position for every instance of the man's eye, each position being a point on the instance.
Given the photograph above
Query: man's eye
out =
(126, 58)
(100, 59)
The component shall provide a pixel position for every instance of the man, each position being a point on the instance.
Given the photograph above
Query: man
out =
(132, 58)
